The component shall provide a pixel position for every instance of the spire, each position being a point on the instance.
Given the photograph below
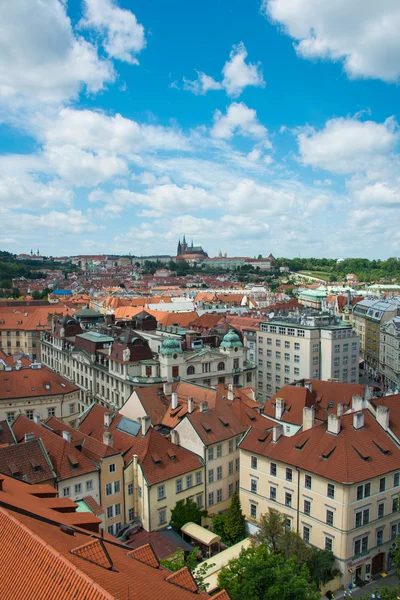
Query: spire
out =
(192, 243)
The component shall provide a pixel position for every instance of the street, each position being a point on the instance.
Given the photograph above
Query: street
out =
(390, 581)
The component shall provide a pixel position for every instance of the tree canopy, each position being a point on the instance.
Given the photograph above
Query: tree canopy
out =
(231, 526)
(183, 512)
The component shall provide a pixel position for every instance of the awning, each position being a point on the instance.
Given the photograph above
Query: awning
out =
(201, 534)
(218, 561)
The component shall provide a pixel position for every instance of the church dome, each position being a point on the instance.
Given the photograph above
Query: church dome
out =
(171, 346)
(231, 339)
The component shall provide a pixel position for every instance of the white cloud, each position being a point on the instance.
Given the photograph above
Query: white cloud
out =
(248, 195)
(237, 75)
(54, 222)
(363, 34)
(96, 131)
(347, 145)
(28, 192)
(41, 59)
(379, 194)
(239, 119)
(83, 168)
(124, 36)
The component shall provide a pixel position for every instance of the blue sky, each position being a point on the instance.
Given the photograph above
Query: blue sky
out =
(250, 126)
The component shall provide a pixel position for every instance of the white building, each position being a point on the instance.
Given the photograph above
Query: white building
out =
(389, 353)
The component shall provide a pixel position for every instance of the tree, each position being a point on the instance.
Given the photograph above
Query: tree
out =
(183, 512)
(235, 523)
(178, 560)
(272, 527)
(218, 525)
(292, 545)
(384, 593)
(258, 574)
(321, 565)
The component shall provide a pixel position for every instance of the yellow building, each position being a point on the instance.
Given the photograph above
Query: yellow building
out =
(336, 482)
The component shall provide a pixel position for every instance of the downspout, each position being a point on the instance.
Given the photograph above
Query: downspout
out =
(135, 486)
(298, 499)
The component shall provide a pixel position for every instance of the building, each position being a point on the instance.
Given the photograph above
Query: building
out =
(337, 483)
(156, 474)
(368, 317)
(389, 354)
(31, 389)
(190, 254)
(60, 553)
(316, 346)
(312, 299)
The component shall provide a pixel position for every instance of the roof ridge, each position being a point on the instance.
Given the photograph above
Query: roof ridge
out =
(146, 555)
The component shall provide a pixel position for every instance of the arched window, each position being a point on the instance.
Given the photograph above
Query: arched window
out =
(190, 370)
(221, 366)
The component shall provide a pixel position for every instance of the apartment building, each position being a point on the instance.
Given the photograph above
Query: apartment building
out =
(76, 475)
(30, 389)
(310, 346)
(156, 474)
(69, 557)
(336, 482)
(368, 317)
(389, 354)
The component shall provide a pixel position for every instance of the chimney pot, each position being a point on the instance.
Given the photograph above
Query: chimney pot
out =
(107, 419)
(382, 416)
(174, 400)
(333, 424)
(308, 385)
(145, 424)
(358, 420)
(277, 432)
(175, 437)
(36, 418)
(108, 439)
(167, 387)
(340, 410)
(190, 404)
(66, 436)
(308, 418)
(279, 408)
(203, 406)
(356, 403)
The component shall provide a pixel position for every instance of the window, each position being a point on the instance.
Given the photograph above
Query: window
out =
(296, 371)
(131, 514)
(189, 481)
(363, 491)
(253, 511)
(329, 517)
(66, 492)
(291, 331)
(307, 507)
(161, 491)
(296, 358)
(287, 344)
(381, 510)
(329, 544)
(289, 474)
(210, 475)
(379, 537)
(190, 370)
(330, 492)
(198, 478)
(211, 454)
(277, 355)
(296, 346)
(89, 485)
(211, 499)
(230, 467)
(278, 366)
(396, 479)
(110, 529)
(221, 366)
(269, 353)
(272, 469)
(117, 509)
(288, 499)
(278, 343)
(395, 505)
(393, 533)
(362, 517)
(254, 462)
(336, 361)
(237, 482)
(29, 414)
(117, 486)
(219, 473)
(307, 481)
(306, 534)
(162, 516)
(237, 465)
(110, 512)
(219, 495)
(10, 417)
(336, 348)
(130, 489)
(230, 490)
(361, 545)
(235, 363)
(72, 408)
(230, 445)
(199, 501)
(287, 356)
(278, 379)
(108, 489)
(111, 468)
(51, 412)
(382, 484)
(139, 491)
(219, 450)
(78, 488)
(178, 485)
(272, 493)
(253, 485)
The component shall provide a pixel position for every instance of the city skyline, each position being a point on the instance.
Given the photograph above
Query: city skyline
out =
(251, 127)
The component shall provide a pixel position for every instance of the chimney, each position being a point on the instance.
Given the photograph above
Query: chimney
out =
(308, 418)
(333, 424)
(108, 439)
(279, 408)
(358, 420)
(29, 437)
(340, 410)
(107, 419)
(356, 403)
(382, 416)
(190, 404)
(167, 386)
(277, 432)
(145, 424)
(175, 437)
(66, 436)
(308, 385)
(36, 418)
(231, 394)
(174, 400)
(203, 406)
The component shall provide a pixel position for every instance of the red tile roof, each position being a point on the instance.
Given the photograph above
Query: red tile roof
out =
(31, 383)
(184, 579)
(145, 554)
(93, 505)
(154, 402)
(95, 552)
(28, 460)
(6, 433)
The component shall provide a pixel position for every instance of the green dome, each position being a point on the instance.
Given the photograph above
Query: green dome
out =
(231, 339)
(171, 346)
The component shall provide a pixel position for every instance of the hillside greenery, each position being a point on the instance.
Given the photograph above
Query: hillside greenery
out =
(10, 267)
(365, 270)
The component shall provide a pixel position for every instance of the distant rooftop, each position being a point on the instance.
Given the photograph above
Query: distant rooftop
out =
(95, 336)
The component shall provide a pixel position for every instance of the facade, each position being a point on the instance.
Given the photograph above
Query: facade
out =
(310, 347)
(337, 483)
(389, 354)
(33, 390)
(368, 317)
(190, 254)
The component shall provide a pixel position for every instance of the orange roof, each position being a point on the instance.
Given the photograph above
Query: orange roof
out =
(177, 319)
(184, 579)
(94, 552)
(30, 383)
(154, 402)
(93, 505)
(351, 456)
(146, 555)
(29, 318)
(26, 460)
